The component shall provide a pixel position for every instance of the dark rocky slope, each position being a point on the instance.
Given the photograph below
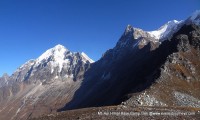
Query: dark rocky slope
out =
(168, 75)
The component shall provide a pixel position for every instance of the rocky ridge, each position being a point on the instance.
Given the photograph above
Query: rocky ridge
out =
(146, 68)
(145, 75)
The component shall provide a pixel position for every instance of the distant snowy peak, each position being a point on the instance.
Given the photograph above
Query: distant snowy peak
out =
(164, 30)
(60, 56)
(86, 58)
(58, 52)
(195, 15)
(172, 26)
(161, 33)
(194, 18)
(55, 63)
(56, 55)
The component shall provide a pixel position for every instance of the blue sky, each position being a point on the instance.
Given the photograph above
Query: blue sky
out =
(30, 27)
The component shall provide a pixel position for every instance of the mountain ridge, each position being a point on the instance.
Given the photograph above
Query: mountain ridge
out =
(125, 63)
(133, 73)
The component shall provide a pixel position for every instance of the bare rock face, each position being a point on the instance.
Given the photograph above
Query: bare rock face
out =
(141, 72)
(165, 76)
(43, 85)
(179, 77)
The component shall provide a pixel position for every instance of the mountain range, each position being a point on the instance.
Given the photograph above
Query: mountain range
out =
(146, 68)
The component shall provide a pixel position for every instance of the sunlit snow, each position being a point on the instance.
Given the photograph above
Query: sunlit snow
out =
(164, 30)
(86, 57)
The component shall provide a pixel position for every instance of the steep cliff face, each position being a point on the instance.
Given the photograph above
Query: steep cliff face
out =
(178, 79)
(146, 75)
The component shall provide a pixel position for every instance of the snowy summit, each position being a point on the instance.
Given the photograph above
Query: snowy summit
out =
(87, 58)
(164, 30)
(195, 17)
(56, 54)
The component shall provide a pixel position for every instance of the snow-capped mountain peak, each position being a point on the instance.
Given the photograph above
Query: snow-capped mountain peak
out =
(86, 58)
(55, 63)
(195, 17)
(58, 52)
(59, 56)
(164, 30)
(56, 55)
